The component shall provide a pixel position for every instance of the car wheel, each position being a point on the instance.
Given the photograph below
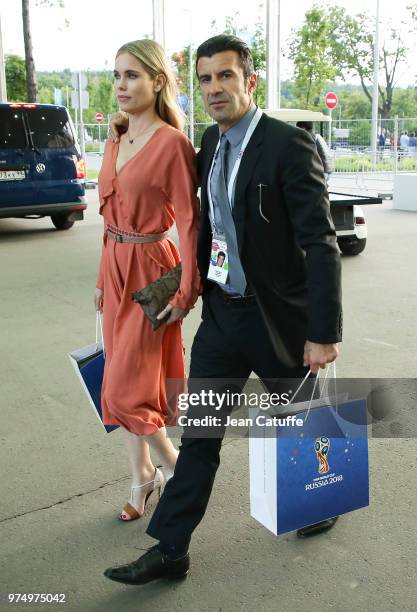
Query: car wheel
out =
(61, 221)
(352, 248)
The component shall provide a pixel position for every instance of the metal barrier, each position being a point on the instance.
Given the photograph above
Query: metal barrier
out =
(353, 159)
(371, 170)
(95, 135)
(350, 137)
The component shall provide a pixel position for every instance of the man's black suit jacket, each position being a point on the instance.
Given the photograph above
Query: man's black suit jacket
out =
(286, 238)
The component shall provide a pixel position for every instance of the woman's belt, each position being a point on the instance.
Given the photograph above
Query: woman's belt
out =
(121, 236)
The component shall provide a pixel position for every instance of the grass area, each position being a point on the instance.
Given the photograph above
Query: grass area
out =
(364, 164)
(408, 164)
(92, 174)
(92, 147)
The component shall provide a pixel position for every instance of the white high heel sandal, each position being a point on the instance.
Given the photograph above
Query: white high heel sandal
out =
(129, 512)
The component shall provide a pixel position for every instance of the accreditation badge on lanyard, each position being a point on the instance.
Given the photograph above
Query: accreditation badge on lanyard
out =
(219, 260)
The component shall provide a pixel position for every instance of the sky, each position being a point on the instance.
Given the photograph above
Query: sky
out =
(97, 28)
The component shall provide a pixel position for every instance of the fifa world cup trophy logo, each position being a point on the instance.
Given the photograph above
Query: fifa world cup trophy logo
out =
(322, 447)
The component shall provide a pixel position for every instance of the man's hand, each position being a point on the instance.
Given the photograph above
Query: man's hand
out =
(175, 314)
(119, 123)
(317, 356)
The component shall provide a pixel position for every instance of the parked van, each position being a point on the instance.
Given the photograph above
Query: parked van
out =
(42, 172)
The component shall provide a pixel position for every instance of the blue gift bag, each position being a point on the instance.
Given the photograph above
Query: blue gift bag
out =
(302, 475)
(88, 363)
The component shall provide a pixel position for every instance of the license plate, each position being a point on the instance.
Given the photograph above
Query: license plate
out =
(12, 175)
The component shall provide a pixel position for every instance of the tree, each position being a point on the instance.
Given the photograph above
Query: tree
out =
(181, 61)
(405, 102)
(258, 48)
(15, 78)
(256, 42)
(102, 98)
(354, 104)
(311, 53)
(32, 90)
(348, 47)
(352, 48)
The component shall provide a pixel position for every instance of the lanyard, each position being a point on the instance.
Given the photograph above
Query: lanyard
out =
(252, 127)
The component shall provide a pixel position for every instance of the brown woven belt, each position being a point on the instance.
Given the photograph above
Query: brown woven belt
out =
(136, 239)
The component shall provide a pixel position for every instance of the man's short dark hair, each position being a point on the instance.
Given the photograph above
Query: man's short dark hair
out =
(221, 254)
(305, 125)
(227, 42)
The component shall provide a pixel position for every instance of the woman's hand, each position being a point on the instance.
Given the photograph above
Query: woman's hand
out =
(175, 314)
(119, 123)
(98, 299)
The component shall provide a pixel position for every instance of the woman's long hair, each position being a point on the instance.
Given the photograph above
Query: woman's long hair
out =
(152, 56)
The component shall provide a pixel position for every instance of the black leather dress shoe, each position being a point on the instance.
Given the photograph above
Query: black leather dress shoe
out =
(150, 566)
(312, 530)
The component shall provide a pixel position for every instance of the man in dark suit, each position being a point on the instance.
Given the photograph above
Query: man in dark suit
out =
(277, 312)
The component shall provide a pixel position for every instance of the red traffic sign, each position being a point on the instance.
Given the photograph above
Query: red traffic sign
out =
(331, 100)
(99, 117)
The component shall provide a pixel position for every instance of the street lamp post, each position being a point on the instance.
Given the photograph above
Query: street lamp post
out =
(191, 93)
(3, 90)
(273, 78)
(158, 12)
(190, 78)
(374, 133)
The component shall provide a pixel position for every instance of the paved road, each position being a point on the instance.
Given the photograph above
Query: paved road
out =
(63, 480)
(93, 161)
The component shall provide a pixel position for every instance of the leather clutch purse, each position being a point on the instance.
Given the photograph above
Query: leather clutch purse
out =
(155, 297)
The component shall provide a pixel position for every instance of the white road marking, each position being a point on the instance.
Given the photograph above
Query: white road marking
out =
(380, 342)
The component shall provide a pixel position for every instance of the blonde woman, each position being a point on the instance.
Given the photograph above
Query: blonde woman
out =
(147, 182)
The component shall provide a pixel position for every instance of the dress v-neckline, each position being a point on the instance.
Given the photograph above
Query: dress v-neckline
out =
(117, 172)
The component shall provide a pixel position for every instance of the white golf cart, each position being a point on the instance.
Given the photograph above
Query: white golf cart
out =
(345, 208)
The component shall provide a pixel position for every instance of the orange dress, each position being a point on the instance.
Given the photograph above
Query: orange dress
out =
(154, 189)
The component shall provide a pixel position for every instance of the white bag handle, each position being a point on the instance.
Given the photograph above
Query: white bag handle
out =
(315, 385)
(99, 326)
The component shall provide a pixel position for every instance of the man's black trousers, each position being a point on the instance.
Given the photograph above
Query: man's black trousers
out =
(231, 342)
